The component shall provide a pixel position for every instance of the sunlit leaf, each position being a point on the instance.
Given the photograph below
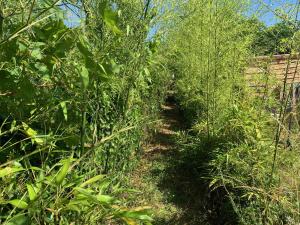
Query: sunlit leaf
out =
(32, 134)
(85, 77)
(18, 203)
(92, 180)
(109, 17)
(32, 192)
(36, 53)
(28, 130)
(64, 109)
(106, 199)
(19, 220)
(9, 170)
(63, 171)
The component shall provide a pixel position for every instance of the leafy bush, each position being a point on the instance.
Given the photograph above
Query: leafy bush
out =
(74, 104)
(231, 140)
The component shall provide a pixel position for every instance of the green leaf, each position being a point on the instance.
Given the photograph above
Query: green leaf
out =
(18, 203)
(32, 134)
(18, 220)
(109, 17)
(83, 49)
(127, 30)
(75, 207)
(85, 77)
(41, 67)
(22, 46)
(36, 53)
(104, 185)
(115, 67)
(86, 192)
(140, 213)
(63, 171)
(32, 192)
(9, 170)
(64, 109)
(106, 199)
(28, 130)
(92, 180)
(13, 126)
(129, 221)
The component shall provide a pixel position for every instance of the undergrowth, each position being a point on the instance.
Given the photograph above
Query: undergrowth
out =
(75, 101)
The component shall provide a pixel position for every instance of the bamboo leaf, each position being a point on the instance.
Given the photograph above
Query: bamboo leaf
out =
(109, 17)
(18, 203)
(32, 192)
(28, 130)
(140, 213)
(92, 180)
(64, 109)
(106, 199)
(32, 134)
(20, 219)
(63, 171)
(10, 170)
(85, 77)
(129, 221)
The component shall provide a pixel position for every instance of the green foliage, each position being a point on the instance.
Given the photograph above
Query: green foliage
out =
(231, 138)
(60, 195)
(274, 39)
(82, 91)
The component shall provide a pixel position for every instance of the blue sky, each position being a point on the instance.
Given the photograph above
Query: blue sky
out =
(265, 13)
(72, 19)
(261, 8)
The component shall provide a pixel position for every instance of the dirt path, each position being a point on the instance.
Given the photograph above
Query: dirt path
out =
(167, 182)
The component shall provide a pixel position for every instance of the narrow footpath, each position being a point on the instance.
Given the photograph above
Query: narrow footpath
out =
(165, 180)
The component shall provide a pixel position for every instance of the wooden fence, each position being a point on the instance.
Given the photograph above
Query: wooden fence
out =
(270, 72)
(276, 66)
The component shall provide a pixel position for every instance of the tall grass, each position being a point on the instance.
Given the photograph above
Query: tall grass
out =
(74, 105)
(232, 131)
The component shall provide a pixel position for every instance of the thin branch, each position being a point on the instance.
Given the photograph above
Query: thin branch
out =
(16, 34)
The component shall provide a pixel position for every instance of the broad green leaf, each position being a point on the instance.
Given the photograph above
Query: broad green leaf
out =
(41, 67)
(64, 109)
(63, 171)
(18, 203)
(28, 130)
(106, 199)
(85, 192)
(127, 30)
(115, 67)
(140, 213)
(84, 50)
(19, 220)
(74, 207)
(129, 221)
(109, 17)
(22, 46)
(32, 134)
(85, 77)
(92, 180)
(36, 53)
(32, 192)
(9, 170)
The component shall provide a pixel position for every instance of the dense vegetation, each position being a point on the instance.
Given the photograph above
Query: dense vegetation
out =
(78, 102)
(274, 39)
(74, 104)
(232, 142)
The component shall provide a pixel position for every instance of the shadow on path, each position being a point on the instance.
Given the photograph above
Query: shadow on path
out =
(170, 177)
(177, 179)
